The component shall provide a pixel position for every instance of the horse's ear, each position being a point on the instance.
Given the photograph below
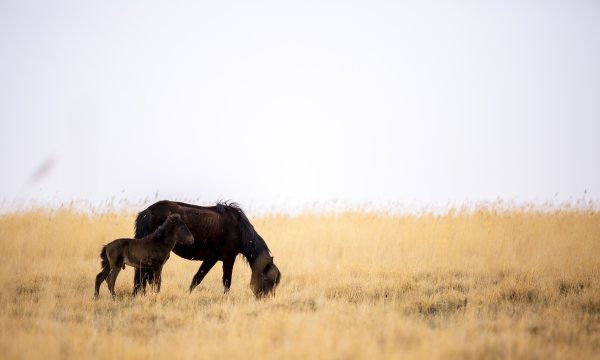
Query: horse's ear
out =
(175, 216)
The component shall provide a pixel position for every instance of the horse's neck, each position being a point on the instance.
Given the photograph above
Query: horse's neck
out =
(258, 261)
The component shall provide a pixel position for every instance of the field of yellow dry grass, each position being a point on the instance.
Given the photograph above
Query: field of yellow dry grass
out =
(487, 283)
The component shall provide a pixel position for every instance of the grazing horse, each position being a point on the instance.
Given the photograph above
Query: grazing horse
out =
(150, 252)
(222, 232)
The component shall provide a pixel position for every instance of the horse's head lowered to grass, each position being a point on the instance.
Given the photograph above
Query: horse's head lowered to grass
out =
(265, 276)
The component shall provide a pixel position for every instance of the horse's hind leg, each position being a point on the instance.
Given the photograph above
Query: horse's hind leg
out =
(100, 278)
(204, 269)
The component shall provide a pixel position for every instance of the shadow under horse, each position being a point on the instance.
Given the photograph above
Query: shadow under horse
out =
(221, 232)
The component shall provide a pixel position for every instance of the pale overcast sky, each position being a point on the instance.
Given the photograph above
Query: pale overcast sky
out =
(278, 104)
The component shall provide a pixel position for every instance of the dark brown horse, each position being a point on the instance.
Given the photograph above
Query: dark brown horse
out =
(221, 232)
(150, 252)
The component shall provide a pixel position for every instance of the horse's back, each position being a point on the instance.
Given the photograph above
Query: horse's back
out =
(204, 220)
(149, 219)
(210, 228)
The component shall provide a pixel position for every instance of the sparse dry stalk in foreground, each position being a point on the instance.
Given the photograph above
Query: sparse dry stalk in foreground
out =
(482, 284)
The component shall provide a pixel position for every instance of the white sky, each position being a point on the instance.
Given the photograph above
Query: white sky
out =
(279, 104)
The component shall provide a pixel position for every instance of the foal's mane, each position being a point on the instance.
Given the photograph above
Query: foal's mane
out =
(163, 228)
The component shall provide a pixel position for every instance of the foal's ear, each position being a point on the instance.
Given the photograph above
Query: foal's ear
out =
(175, 216)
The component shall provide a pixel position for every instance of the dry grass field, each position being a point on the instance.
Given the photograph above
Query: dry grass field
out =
(487, 283)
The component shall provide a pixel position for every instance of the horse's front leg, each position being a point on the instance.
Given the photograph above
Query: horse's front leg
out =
(204, 269)
(227, 272)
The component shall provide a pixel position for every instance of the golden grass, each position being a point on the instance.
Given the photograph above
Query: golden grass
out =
(481, 284)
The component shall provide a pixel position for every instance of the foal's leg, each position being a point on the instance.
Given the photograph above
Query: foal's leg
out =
(112, 279)
(147, 277)
(100, 278)
(137, 281)
(227, 271)
(204, 269)
(142, 277)
(157, 278)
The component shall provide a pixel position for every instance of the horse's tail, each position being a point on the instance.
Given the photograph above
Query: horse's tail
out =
(143, 228)
(103, 257)
(143, 222)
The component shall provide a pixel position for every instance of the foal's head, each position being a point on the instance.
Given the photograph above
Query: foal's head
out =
(180, 231)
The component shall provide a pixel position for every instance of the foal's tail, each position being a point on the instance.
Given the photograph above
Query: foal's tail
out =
(103, 257)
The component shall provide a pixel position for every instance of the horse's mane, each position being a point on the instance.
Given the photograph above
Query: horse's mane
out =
(252, 243)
